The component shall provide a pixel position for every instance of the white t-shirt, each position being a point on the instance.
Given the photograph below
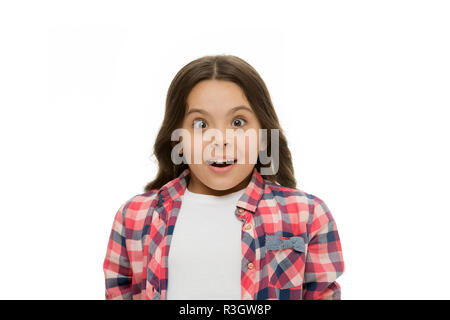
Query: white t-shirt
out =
(204, 259)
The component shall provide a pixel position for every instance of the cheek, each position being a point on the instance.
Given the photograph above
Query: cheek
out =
(188, 148)
(247, 149)
(195, 149)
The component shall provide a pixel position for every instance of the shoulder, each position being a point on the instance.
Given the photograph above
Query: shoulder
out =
(311, 209)
(294, 199)
(138, 205)
(290, 194)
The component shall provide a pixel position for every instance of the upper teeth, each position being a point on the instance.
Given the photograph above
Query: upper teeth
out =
(230, 161)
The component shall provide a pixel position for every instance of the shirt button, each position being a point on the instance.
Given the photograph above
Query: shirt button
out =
(248, 227)
(250, 265)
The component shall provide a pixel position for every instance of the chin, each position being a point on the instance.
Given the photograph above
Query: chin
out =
(222, 183)
(221, 187)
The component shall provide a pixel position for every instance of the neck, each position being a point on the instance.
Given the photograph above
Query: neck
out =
(197, 186)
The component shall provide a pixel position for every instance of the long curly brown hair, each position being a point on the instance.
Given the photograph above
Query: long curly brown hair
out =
(218, 67)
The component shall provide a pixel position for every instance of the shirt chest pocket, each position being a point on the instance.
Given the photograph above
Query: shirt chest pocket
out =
(285, 260)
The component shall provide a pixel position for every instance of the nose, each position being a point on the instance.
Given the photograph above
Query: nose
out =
(223, 138)
(217, 145)
(223, 148)
(223, 144)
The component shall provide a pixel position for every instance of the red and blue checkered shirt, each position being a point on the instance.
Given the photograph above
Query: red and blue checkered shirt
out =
(290, 244)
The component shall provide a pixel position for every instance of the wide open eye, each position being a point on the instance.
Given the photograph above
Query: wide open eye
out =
(239, 122)
(199, 124)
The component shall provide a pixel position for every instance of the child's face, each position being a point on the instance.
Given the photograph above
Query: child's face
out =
(210, 105)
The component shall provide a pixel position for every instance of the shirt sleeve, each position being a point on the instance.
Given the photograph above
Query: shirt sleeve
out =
(116, 266)
(324, 261)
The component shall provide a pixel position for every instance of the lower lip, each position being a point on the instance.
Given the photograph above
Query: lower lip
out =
(221, 169)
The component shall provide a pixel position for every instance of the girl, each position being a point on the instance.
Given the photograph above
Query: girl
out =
(240, 234)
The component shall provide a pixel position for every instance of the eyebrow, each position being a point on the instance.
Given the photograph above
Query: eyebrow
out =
(234, 109)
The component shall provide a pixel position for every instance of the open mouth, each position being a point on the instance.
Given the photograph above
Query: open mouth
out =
(221, 163)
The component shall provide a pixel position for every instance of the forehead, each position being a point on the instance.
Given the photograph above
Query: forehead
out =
(216, 96)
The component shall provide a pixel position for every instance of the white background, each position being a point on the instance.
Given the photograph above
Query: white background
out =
(361, 88)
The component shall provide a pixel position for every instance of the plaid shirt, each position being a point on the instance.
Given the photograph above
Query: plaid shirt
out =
(290, 243)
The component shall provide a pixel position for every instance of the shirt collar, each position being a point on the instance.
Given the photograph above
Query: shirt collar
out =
(175, 188)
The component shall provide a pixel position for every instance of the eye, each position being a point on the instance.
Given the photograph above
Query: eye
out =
(239, 120)
(198, 124)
